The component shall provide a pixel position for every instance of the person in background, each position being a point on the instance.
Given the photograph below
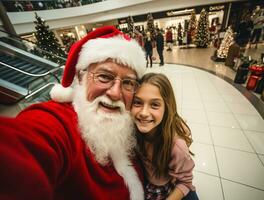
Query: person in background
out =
(18, 7)
(217, 39)
(163, 140)
(169, 39)
(148, 46)
(59, 4)
(160, 46)
(244, 30)
(81, 144)
(139, 38)
(42, 6)
(29, 6)
(77, 3)
(258, 21)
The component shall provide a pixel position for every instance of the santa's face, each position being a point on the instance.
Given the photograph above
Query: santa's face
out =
(106, 131)
(115, 93)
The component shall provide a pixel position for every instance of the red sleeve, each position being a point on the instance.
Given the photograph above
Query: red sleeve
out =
(35, 153)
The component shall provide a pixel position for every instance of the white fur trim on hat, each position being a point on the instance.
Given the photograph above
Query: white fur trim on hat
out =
(121, 50)
(126, 52)
(61, 94)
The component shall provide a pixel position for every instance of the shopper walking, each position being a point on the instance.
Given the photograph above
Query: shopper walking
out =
(160, 46)
(148, 42)
(169, 39)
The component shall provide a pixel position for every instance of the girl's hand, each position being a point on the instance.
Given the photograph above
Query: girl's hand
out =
(176, 194)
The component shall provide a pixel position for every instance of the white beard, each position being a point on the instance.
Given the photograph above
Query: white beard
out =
(108, 135)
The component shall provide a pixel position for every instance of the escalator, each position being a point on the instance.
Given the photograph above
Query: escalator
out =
(24, 77)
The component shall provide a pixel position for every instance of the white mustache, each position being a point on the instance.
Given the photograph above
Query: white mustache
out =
(108, 101)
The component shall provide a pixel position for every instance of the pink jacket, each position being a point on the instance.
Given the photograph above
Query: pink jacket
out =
(181, 166)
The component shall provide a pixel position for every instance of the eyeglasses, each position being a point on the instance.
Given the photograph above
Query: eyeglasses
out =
(107, 80)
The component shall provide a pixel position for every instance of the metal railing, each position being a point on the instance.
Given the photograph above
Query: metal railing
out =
(44, 86)
(27, 100)
(39, 90)
(36, 75)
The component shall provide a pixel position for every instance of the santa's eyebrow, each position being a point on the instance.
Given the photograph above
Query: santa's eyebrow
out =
(106, 71)
(130, 76)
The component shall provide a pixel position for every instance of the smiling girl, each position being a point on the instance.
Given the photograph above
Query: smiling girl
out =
(163, 140)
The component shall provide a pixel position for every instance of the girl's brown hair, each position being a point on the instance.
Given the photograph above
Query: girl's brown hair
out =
(171, 125)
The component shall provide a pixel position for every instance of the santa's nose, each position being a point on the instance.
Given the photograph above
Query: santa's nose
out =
(115, 91)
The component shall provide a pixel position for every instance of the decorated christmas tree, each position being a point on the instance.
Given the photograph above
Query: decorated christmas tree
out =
(150, 25)
(130, 23)
(226, 43)
(47, 42)
(192, 27)
(202, 38)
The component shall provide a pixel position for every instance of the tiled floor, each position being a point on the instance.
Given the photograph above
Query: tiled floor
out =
(228, 131)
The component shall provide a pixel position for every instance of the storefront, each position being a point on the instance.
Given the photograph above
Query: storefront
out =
(67, 34)
(218, 14)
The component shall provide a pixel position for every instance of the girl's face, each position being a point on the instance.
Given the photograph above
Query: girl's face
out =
(148, 108)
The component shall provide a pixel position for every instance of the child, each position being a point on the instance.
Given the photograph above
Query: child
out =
(148, 42)
(163, 141)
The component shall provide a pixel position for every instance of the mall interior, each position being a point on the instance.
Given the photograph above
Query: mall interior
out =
(221, 98)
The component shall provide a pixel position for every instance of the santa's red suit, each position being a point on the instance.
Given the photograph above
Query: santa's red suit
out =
(44, 157)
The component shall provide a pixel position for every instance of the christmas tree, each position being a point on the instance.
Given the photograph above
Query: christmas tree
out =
(130, 23)
(48, 43)
(226, 43)
(192, 27)
(150, 25)
(202, 37)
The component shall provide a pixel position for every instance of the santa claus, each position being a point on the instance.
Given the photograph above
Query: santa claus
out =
(80, 145)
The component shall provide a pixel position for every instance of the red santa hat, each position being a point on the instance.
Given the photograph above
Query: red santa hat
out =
(98, 46)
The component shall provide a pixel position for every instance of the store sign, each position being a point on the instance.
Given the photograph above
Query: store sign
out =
(215, 8)
(180, 12)
(122, 21)
(122, 26)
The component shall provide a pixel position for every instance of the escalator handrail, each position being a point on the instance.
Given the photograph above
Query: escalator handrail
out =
(34, 75)
(40, 89)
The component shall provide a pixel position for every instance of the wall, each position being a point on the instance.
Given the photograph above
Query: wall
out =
(99, 12)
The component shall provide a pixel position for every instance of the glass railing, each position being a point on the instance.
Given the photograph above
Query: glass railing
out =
(21, 6)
